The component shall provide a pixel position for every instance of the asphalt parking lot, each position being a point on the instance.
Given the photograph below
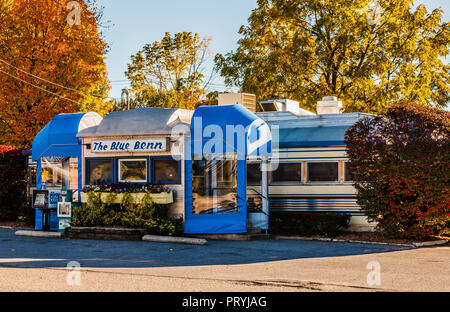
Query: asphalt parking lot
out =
(40, 264)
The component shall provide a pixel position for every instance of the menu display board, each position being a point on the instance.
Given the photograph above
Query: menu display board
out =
(40, 199)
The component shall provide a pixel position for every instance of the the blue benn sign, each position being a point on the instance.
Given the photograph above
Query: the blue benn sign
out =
(130, 145)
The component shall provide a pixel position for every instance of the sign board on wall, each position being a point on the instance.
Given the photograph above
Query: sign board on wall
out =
(130, 145)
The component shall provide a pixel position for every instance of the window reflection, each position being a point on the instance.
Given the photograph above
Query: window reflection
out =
(214, 186)
(166, 170)
(133, 170)
(287, 173)
(99, 171)
(52, 171)
(323, 172)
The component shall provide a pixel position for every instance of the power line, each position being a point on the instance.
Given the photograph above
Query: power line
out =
(29, 83)
(53, 83)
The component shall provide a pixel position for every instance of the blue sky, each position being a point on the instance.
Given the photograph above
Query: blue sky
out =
(137, 22)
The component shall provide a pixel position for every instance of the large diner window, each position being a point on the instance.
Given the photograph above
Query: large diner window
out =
(286, 173)
(166, 171)
(99, 171)
(214, 186)
(132, 170)
(323, 172)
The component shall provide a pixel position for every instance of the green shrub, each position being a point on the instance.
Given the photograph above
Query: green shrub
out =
(400, 164)
(308, 223)
(146, 215)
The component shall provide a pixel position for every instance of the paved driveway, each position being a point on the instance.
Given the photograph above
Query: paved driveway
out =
(41, 264)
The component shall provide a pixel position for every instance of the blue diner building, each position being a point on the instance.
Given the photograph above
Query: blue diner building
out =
(227, 166)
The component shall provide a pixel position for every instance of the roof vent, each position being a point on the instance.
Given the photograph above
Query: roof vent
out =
(329, 105)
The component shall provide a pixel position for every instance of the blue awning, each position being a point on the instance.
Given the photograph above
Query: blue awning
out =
(59, 137)
(228, 129)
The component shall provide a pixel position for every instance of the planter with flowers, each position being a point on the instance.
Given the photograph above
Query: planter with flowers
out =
(159, 194)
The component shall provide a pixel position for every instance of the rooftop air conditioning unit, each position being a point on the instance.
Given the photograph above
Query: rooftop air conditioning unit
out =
(283, 105)
(245, 99)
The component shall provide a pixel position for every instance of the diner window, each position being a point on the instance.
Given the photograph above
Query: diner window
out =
(214, 186)
(52, 171)
(254, 173)
(323, 172)
(99, 171)
(133, 170)
(347, 175)
(287, 173)
(166, 171)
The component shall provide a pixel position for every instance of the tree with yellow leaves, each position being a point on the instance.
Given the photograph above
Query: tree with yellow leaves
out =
(52, 60)
(369, 53)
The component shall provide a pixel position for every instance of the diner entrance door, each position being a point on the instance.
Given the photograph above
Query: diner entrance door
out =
(258, 203)
(215, 196)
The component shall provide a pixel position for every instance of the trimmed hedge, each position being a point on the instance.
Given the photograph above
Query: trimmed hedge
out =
(400, 164)
(308, 223)
(146, 215)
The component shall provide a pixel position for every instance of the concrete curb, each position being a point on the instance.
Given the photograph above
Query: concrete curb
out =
(38, 234)
(175, 240)
(431, 243)
(335, 240)
(233, 237)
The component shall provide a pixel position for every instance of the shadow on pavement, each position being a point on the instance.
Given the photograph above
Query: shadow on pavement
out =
(47, 252)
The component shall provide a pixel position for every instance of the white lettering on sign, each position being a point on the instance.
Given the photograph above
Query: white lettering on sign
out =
(130, 145)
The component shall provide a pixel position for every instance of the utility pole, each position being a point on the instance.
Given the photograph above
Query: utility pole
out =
(125, 92)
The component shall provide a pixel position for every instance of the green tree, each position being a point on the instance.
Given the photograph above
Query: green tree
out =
(212, 99)
(170, 72)
(370, 54)
(151, 97)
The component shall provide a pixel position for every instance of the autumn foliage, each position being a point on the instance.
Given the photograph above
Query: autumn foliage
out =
(400, 164)
(37, 41)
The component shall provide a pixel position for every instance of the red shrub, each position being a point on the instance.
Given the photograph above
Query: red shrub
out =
(12, 182)
(400, 164)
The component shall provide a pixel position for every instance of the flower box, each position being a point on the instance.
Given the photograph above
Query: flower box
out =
(158, 198)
